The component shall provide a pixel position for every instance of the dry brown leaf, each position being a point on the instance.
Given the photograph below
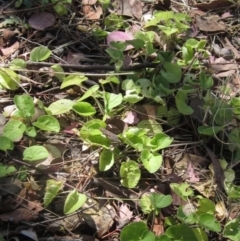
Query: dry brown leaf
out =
(136, 8)
(228, 44)
(10, 50)
(91, 13)
(18, 215)
(210, 24)
(124, 8)
(158, 225)
(146, 112)
(8, 34)
(213, 5)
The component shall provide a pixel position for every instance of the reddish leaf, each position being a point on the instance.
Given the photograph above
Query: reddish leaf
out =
(41, 20)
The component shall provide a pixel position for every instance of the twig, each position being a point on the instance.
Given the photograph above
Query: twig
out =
(94, 67)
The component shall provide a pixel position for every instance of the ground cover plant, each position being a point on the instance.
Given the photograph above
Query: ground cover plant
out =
(119, 120)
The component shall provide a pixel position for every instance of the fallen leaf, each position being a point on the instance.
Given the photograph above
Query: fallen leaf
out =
(146, 112)
(136, 7)
(30, 234)
(125, 216)
(124, 8)
(131, 118)
(210, 23)
(10, 50)
(116, 126)
(213, 5)
(228, 44)
(8, 34)
(192, 177)
(18, 215)
(121, 37)
(158, 226)
(89, 2)
(91, 13)
(41, 20)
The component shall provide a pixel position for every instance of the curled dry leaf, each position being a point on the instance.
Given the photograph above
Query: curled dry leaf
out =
(41, 20)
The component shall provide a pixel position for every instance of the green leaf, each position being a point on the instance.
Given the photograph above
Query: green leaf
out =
(136, 231)
(200, 234)
(84, 109)
(47, 123)
(73, 79)
(182, 107)
(18, 64)
(163, 237)
(106, 160)
(5, 170)
(209, 130)
(40, 53)
(132, 98)
(160, 141)
(111, 100)
(135, 137)
(52, 189)
(183, 190)
(151, 161)
(60, 9)
(168, 30)
(181, 232)
(160, 200)
(171, 72)
(9, 79)
(14, 130)
(25, 105)
(89, 93)
(209, 222)
(31, 131)
(206, 81)
(154, 202)
(130, 174)
(6, 144)
(60, 106)
(136, 43)
(35, 153)
(232, 229)
(58, 72)
(205, 206)
(74, 201)
(193, 43)
(91, 133)
(146, 204)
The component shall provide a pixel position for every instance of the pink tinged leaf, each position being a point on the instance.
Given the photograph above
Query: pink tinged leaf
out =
(131, 118)
(125, 216)
(121, 37)
(88, 2)
(10, 50)
(41, 20)
(192, 177)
